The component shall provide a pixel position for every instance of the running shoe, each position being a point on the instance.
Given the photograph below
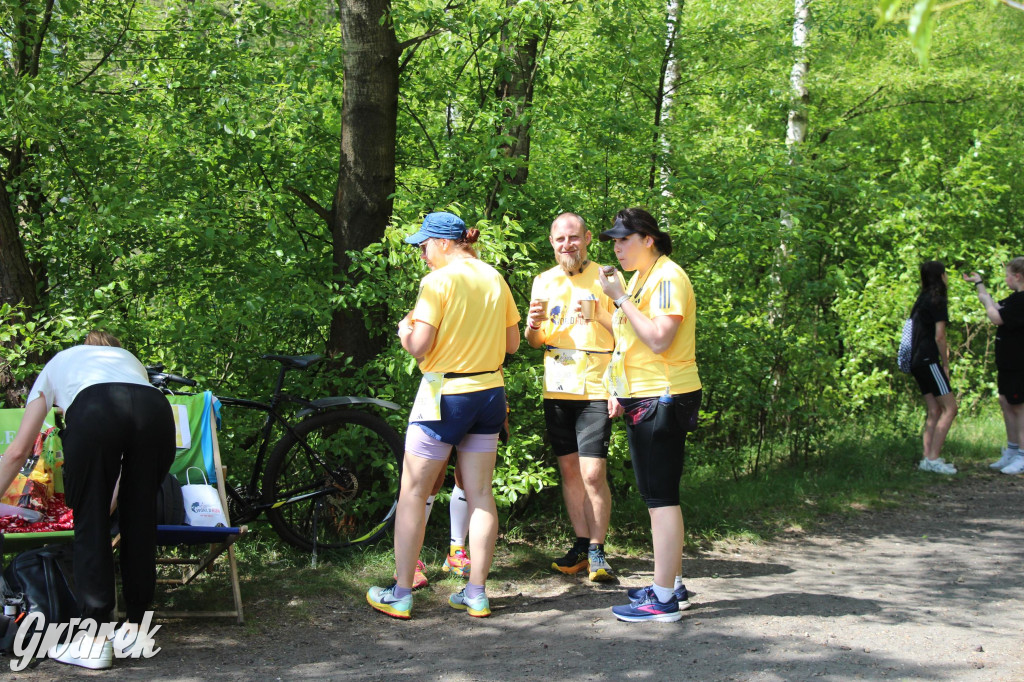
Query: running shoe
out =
(937, 466)
(479, 606)
(1016, 466)
(1005, 460)
(573, 562)
(600, 571)
(649, 608)
(681, 595)
(383, 599)
(128, 642)
(85, 652)
(457, 563)
(419, 578)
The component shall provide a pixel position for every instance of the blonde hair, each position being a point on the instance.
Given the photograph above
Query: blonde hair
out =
(98, 337)
(1016, 266)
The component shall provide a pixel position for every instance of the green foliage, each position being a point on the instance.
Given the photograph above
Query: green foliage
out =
(169, 153)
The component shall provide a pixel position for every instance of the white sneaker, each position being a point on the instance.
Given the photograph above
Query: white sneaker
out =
(128, 643)
(1005, 460)
(1016, 466)
(84, 652)
(937, 466)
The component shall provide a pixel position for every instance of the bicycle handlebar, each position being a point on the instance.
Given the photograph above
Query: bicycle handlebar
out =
(160, 379)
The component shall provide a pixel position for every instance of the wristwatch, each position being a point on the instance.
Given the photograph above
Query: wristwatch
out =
(622, 299)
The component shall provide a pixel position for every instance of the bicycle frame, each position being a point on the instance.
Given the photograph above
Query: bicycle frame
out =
(274, 417)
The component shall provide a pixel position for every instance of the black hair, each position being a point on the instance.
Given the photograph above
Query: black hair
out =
(931, 280)
(639, 220)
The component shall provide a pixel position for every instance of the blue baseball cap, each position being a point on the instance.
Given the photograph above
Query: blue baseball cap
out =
(440, 225)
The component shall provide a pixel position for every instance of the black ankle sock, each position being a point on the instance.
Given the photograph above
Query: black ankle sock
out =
(595, 546)
(581, 544)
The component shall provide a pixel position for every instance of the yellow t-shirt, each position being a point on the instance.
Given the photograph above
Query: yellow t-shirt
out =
(666, 290)
(470, 305)
(562, 330)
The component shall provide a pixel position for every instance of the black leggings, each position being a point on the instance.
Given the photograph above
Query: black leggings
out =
(657, 446)
(116, 429)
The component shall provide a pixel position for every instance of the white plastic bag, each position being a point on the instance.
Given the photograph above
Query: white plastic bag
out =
(202, 503)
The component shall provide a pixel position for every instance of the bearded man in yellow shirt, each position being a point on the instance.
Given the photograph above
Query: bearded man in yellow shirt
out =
(576, 354)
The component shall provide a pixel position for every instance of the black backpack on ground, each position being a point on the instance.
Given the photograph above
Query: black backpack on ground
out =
(38, 580)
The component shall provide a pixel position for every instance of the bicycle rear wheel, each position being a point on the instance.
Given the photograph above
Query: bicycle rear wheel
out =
(337, 483)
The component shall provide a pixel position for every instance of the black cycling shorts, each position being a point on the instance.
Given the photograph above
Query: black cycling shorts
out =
(657, 444)
(579, 426)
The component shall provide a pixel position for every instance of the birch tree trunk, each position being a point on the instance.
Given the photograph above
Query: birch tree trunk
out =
(667, 80)
(796, 127)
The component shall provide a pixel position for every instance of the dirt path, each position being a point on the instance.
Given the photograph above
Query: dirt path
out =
(928, 592)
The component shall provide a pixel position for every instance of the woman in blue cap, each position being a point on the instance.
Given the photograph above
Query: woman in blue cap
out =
(463, 324)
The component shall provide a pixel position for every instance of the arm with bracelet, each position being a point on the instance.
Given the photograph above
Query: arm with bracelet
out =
(991, 308)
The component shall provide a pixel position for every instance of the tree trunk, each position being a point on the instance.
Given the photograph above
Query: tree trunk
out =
(17, 284)
(663, 98)
(796, 126)
(516, 92)
(362, 204)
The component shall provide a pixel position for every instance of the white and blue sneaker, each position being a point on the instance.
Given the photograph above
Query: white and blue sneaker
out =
(383, 599)
(647, 607)
(682, 596)
(479, 607)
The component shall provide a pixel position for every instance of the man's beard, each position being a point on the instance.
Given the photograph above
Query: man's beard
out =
(571, 262)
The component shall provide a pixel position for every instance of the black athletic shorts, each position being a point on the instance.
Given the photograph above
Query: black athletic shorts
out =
(657, 444)
(1011, 385)
(932, 379)
(579, 426)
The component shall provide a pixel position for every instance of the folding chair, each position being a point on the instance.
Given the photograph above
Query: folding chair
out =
(13, 543)
(196, 421)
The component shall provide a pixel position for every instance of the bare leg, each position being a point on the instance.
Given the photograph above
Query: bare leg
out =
(1018, 413)
(418, 477)
(1014, 425)
(477, 472)
(941, 412)
(574, 494)
(597, 504)
(948, 405)
(667, 534)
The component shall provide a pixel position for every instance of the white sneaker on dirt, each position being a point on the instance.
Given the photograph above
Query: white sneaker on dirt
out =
(1016, 466)
(129, 643)
(85, 652)
(1005, 460)
(937, 466)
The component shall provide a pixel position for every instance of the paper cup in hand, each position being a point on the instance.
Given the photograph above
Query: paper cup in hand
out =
(587, 308)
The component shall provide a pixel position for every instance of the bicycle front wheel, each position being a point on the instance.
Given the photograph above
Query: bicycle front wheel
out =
(335, 481)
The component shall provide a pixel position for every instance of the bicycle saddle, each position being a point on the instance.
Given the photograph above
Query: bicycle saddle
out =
(295, 361)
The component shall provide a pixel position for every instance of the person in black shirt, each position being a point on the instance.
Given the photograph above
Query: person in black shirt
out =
(1008, 315)
(929, 363)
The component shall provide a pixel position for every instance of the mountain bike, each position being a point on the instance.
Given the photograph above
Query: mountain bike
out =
(331, 479)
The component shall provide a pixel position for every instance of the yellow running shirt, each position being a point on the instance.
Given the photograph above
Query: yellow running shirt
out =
(564, 332)
(665, 290)
(470, 305)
